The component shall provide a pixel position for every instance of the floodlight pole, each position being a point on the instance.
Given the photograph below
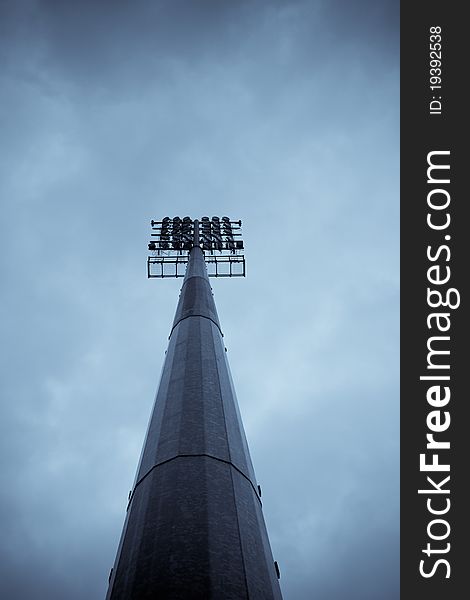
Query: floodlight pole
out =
(194, 527)
(196, 233)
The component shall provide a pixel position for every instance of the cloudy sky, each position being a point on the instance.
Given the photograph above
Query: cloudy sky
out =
(281, 113)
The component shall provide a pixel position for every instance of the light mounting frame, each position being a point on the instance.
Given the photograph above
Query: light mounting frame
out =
(173, 239)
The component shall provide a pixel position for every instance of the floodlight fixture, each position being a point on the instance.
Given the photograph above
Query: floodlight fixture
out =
(174, 238)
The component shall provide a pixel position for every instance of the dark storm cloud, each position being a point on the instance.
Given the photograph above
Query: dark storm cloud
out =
(91, 44)
(116, 113)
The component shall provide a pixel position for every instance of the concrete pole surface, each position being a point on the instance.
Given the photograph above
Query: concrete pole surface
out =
(194, 528)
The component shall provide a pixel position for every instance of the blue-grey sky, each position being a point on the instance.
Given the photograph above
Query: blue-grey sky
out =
(281, 113)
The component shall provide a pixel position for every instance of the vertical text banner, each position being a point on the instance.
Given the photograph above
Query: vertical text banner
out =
(435, 434)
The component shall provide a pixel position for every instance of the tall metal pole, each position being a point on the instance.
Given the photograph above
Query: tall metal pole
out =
(194, 527)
